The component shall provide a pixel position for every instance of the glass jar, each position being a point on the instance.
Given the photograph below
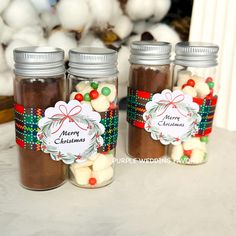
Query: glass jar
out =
(93, 81)
(149, 74)
(195, 74)
(39, 84)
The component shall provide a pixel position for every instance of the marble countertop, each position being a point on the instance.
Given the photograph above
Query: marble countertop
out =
(145, 199)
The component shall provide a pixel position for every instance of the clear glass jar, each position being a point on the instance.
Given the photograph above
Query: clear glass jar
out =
(194, 73)
(93, 81)
(39, 84)
(149, 74)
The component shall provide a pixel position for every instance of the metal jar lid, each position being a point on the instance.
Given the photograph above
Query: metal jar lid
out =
(39, 61)
(196, 54)
(91, 62)
(150, 53)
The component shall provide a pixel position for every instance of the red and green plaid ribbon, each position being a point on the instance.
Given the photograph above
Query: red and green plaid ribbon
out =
(138, 99)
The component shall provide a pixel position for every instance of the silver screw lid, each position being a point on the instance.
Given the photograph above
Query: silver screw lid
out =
(92, 62)
(39, 61)
(150, 52)
(196, 54)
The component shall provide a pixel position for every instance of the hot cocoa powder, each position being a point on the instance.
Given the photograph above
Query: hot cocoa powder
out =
(153, 80)
(37, 170)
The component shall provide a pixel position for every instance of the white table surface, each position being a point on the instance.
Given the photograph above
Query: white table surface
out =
(145, 199)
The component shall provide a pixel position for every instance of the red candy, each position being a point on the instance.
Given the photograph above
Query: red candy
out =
(112, 106)
(94, 94)
(92, 181)
(187, 153)
(191, 82)
(209, 79)
(79, 97)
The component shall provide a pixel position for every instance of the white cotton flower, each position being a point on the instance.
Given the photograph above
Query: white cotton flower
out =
(32, 35)
(161, 7)
(3, 64)
(41, 5)
(6, 81)
(73, 14)
(6, 32)
(3, 5)
(9, 50)
(139, 9)
(116, 11)
(49, 20)
(123, 26)
(133, 38)
(20, 13)
(123, 68)
(63, 40)
(91, 41)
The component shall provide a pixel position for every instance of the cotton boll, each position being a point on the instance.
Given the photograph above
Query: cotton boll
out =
(6, 32)
(3, 5)
(91, 41)
(116, 11)
(32, 35)
(133, 38)
(20, 13)
(73, 14)
(41, 5)
(49, 20)
(161, 7)
(63, 40)
(123, 27)
(139, 9)
(140, 26)
(6, 81)
(9, 50)
(3, 64)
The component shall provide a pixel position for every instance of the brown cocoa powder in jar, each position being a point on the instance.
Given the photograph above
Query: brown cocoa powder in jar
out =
(153, 79)
(37, 170)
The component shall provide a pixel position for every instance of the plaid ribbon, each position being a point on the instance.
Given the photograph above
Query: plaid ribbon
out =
(26, 124)
(137, 100)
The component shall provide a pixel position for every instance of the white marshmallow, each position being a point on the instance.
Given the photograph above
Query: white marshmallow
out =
(94, 157)
(103, 175)
(197, 78)
(87, 89)
(202, 89)
(192, 143)
(100, 104)
(81, 85)
(20, 13)
(73, 14)
(82, 175)
(197, 156)
(190, 91)
(72, 95)
(111, 97)
(86, 163)
(202, 146)
(177, 152)
(161, 7)
(182, 77)
(102, 162)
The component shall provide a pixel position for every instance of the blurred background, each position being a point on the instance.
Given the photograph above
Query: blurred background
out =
(115, 24)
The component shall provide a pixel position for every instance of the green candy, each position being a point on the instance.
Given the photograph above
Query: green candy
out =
(184, 159)
(94, 85)
(211, 84)
(87, 97)
(204, 139)
(106, 91)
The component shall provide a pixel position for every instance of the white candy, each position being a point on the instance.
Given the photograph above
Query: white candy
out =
(102, 162)
(103, 175)
(81, 85)
(94, 157)
(190, 91)
(202, 89)
(202, 146)
(100, 104)
(197, 78)
(197, 156)
(177, 152)
(192, 143)
(111, 97)
(72, 95)
(78, 165)
(82, 175)
(182, 77)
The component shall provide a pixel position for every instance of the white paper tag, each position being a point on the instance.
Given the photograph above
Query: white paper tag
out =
(171, 117)
(70, 132)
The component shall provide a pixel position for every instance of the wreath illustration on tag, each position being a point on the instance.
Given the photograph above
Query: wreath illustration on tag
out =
(70, 132)
(171, 117)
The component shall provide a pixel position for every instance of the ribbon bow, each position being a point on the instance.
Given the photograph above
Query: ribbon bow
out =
(170, 101)
(68, 115)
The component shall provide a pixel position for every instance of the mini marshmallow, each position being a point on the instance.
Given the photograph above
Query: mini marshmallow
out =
(190, 91)
(100, 104)
(111, 97)
(20, 13)
(94, 157)
(81, 85)
(73, 14)
(87, 89)
(161, 7)
(192, 143)
(182, 77)
(102, 162)
(197, 156)
(202, 146)
(86, 163)
(197, 78)
(72, 95)
(103, 175)
(3, 5)
(82, 175)
(202, 89)
(177, 152)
